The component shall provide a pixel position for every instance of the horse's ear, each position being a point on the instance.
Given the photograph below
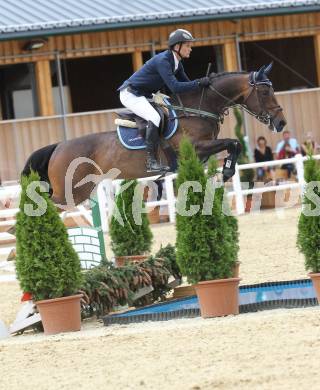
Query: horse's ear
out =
(260, 73)
(268, 68)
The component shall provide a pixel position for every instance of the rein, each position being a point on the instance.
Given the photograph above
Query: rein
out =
(196, 113)
(263, 116)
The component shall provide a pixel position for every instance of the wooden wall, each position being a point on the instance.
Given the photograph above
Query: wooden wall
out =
(137, 39)
(21, 137)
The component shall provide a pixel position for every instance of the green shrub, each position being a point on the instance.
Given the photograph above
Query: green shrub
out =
(105, 286)
(239, 134)
(131, 238)
(47, 265)
(308, 240)
(207, 245)
(168, 253)
(156, 268)
(246, 175)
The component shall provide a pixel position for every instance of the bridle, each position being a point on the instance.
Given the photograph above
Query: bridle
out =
(263, 116)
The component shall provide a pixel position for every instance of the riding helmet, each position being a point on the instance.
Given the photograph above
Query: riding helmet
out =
(180, 36)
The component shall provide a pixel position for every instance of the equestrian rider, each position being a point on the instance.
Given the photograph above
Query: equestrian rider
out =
(164, 68)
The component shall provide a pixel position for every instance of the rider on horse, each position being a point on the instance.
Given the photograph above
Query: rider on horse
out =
(163, 69)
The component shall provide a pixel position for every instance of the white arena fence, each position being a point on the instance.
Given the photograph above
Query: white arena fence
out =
(238, 192)
(107, 189)
(12, 193)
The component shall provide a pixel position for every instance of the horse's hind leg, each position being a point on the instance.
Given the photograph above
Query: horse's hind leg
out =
(60, 203)
(57, 191)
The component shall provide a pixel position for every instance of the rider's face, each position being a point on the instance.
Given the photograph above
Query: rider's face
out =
(186, 49)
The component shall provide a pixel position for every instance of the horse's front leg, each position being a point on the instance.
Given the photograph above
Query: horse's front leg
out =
(206, 148)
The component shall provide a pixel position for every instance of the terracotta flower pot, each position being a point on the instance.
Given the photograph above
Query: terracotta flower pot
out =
(218, 297)
(315, 277)
(60, 314)
(121, 260)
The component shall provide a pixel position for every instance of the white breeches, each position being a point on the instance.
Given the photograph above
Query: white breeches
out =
(140, 106)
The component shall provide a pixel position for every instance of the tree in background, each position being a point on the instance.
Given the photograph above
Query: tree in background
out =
(247, 175)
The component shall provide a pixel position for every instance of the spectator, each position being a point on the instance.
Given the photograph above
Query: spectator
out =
(287, 152)
(262, 153)
(309, 145)
(287, 139)
(287, 148)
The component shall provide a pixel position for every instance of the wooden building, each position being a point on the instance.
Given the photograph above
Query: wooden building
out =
(62, 62)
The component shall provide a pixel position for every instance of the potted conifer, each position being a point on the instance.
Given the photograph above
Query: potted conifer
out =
(47, 265)
(309, 223)
(131, 239)
(207, 245)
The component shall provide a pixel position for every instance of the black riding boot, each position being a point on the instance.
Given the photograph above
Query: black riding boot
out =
(152, 139)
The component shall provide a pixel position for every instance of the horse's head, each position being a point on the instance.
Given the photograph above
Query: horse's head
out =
(261, 101)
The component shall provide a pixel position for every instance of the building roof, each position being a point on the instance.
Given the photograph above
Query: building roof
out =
(28, 18)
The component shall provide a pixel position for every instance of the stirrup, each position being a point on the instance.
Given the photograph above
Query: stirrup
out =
(154, 166)
(160, 168)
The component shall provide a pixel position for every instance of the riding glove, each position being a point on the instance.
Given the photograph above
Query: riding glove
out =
(204, 82)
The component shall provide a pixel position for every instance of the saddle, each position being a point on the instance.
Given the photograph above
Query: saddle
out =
(131, 129)
(130, 120)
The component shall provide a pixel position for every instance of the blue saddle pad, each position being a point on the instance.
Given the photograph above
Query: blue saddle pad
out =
(131, 138)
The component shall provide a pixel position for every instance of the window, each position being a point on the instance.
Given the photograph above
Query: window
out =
(294, 61)
(18, 91)
(93, 82)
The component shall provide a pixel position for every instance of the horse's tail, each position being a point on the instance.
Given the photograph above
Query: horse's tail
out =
(39, 162)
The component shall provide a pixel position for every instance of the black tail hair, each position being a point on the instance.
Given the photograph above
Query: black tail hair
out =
(39, 162)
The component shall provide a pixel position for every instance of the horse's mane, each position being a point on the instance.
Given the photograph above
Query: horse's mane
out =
(215, 76)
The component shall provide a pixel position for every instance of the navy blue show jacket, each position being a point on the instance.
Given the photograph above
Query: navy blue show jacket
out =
(156, 73)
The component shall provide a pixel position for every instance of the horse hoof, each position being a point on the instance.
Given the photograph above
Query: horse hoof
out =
(227, 174)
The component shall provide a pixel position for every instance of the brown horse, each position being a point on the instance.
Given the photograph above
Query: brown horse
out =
(89, 156)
